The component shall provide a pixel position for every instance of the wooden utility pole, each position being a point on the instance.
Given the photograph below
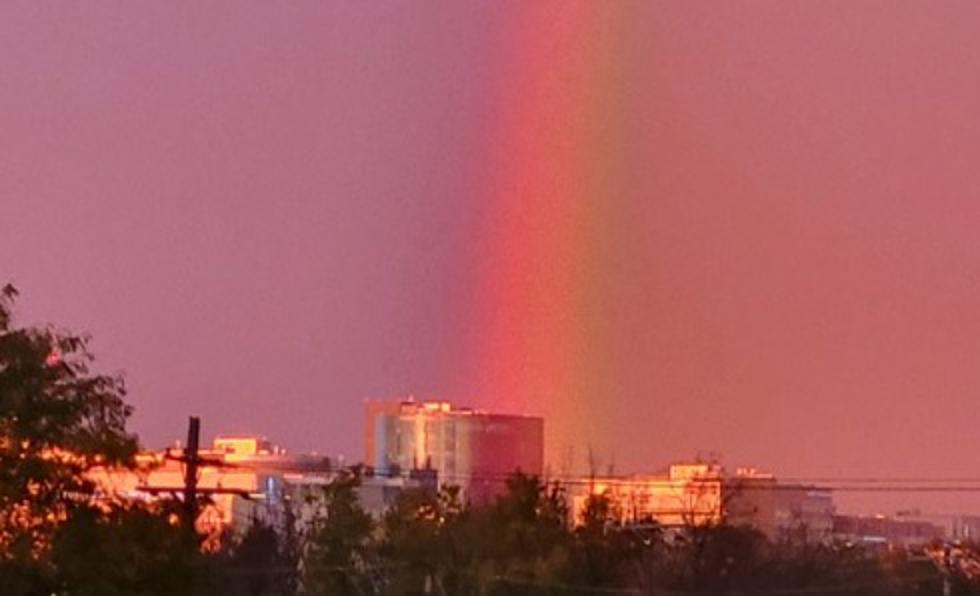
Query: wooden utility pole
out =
(190, 491)
(192, 461)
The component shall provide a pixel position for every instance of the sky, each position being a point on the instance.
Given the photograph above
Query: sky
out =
(671, 228)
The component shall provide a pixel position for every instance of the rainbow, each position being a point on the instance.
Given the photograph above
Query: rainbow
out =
(549, 237)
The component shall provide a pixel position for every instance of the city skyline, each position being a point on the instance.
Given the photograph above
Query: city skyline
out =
(667, 229)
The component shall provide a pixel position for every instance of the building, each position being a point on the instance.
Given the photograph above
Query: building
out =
(783, 511)
(375, 494)
(473, 449)
(966, 528)
(686, 494)
(703, 494)
(885, 530)
(245, 478)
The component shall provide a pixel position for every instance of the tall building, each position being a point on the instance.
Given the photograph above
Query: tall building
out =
(472, 449)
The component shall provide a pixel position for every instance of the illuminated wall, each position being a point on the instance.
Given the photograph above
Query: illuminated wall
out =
(247, 466)
(472, 449)
(686, 495)
(699, 494)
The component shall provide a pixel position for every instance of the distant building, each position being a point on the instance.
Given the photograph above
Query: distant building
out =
(473, 449)
(703, 494)
(375, 494)
(966, 528)
(886, 530)
(243, 445)
(250, 469)
(781, 510)
(687, 494)
(258, 481)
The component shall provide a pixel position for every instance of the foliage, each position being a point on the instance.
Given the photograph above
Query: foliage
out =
(339, 557)
(127, 549)
(424, 546)
(262, 562)
(715, 559)
(605, 551)
(57, 421)
(526, 535)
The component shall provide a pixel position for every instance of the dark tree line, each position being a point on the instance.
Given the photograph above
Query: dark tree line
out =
(524, 543)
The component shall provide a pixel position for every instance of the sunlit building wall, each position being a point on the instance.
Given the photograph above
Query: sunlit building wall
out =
(687, 494)
(244, 478)
(783, 511)
(244, 446)
(473, 449)
(701, 494)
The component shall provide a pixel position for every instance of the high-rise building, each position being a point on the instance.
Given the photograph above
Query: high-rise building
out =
(472, 449)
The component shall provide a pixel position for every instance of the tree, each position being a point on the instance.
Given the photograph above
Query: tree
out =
(339, 555)
(58, 532)
(127, 549)
(525, 535)
(427, 546)
(58, 420)
(605, 551)
(260, 563)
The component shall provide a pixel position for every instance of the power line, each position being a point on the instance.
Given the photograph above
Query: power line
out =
(830, 484)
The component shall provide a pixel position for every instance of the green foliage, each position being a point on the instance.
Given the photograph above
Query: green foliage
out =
(127, 549)
(57, 421)
(426, 545)
(604, 551)
(429, 543)
(526, 534)
(262, 562)
(340, 555)
(714, 559)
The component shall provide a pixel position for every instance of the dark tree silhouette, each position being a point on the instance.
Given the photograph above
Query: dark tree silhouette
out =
(259, 563)
(58, 421)
(339, 557)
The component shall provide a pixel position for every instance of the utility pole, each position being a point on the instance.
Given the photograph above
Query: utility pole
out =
(190, 491)
(192, 462)
(947, 571)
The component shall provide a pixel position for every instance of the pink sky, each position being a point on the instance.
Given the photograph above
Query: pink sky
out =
(265, 214)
